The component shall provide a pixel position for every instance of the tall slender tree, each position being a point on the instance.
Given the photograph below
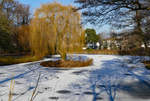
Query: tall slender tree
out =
(55, 29)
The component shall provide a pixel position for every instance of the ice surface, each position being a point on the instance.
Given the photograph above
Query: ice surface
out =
(110, 78)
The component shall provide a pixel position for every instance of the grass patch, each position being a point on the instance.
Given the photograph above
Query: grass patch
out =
(132, 52)
(67, 63)
(105, 52)
(16, 60)
(135, 52)
(147, 64)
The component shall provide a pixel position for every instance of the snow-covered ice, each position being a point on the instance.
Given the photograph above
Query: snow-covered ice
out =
(110, 78)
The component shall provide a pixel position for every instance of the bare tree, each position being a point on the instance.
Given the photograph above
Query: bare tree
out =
(118, 13)
(97, 11)
(22, 14)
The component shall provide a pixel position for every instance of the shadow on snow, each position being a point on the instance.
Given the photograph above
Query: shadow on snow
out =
(114, 76)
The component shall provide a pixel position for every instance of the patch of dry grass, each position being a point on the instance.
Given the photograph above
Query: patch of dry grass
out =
(34, 93)
(135, 52)
(93, 51)
(14, 60)
(147, 64)
(11, 90)
(132, 52)
(67, 63)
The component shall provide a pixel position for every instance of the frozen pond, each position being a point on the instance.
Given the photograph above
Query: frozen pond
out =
(110, 78)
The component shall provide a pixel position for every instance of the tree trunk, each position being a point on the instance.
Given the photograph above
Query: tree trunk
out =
(63, 56)
(145, 44)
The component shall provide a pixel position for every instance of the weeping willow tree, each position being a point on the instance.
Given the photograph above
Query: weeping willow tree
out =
(55, 29)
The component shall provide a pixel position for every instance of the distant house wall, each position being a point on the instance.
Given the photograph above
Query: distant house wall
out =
(93, 45)
(110, 44)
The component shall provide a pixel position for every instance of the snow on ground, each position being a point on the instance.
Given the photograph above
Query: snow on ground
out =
(110, 78)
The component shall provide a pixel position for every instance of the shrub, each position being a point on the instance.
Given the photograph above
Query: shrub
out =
(134, 52)
(147, 64)
(67, 63)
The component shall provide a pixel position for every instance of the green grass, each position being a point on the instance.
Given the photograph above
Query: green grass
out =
(16, 60)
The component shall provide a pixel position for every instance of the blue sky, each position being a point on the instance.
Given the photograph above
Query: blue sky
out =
(36, 4)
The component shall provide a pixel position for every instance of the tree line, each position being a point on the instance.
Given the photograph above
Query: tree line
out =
(13, 16)
(53, 29)
(133, 15)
